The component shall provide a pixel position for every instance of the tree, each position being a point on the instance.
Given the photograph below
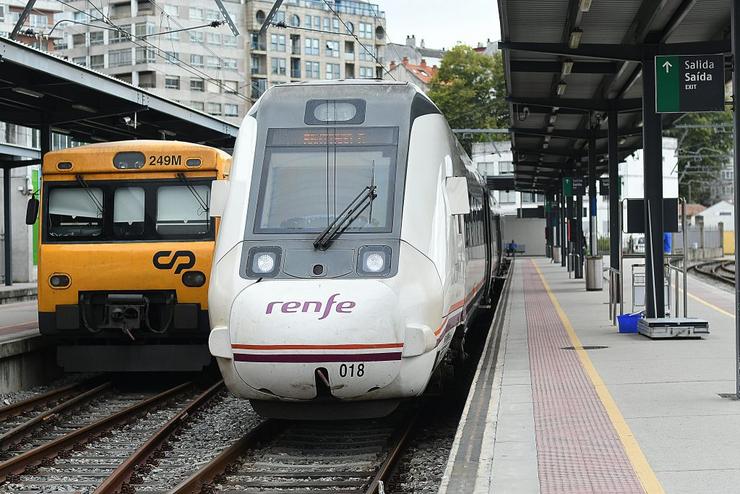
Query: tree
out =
(470, 89)
(705, 143)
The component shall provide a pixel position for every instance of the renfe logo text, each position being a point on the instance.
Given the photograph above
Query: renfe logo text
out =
(323, 308)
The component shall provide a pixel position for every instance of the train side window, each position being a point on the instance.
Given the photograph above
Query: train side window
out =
(75, 212)
(182, 210)
(128, 212)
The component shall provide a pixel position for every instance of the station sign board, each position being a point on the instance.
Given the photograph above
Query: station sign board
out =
(604, 186)
(689, 83)
(579, 186)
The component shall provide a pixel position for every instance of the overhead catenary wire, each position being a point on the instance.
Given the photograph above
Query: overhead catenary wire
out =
(351, 31)
(167, 57)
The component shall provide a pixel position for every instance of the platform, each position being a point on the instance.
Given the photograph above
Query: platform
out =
(566, 404)
(18, 320)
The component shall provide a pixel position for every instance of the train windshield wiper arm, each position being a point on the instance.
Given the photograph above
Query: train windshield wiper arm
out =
(353, 211)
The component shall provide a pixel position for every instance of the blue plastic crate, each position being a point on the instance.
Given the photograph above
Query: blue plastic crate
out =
(627, 323)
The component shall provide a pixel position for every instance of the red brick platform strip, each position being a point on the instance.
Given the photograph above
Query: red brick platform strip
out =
(578, 450)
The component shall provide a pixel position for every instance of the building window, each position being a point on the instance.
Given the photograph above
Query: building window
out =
(335, 25)
(295, 21)
(332, 49)
(279, 17)
(231, 110)
(259, 86)
(366, 30)
(80, 61)
(312, 46)
(230, 63)
(196, 60)
(316, 23)
(312, 70)
(38, 21)
(172, 57)
(213, 38)
(213, 62)
(171, 10)
(505, 168)
(350, 27)
(198, 105)
(97, 61)
(214, 108)
(332, 71)
(212, 15)
(123, 33)
(172, 82)
(277, 42)
(231, 87)
(144, 28)
(367, 73)
(197, 36)
(96, 38)
(145, 55)
(327, 24)
(368, 53)
(197, 85)
(507, 196)
(2, 13)
(229, 40)
(196, 14)
(119, 58)
(278, 66)
(78, 40)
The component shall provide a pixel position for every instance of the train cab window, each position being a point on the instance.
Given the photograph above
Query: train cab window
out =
(75, 212)
(182, 210)
(310, 177)
(128, 212)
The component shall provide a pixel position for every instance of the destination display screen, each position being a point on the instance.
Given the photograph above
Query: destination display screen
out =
(372, 136)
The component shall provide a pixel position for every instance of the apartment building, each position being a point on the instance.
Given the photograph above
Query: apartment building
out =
(167, 47)
(35, 30)
(306, 41)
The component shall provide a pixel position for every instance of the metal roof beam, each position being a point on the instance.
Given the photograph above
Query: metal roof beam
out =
(633, 53)
(564, 154)
(583, 104)
(574, 134)
(579, 67)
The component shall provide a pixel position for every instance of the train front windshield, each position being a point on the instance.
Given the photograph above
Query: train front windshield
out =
(311, 175)
(130, 210)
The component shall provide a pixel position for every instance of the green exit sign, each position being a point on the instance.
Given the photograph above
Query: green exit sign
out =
(689, 83)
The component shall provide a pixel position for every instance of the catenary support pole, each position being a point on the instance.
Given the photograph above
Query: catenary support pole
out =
(652, 140)
(593, 234)
(736, 116)
(614, 205)
(563, 229)
(578, 232)
(7, 226)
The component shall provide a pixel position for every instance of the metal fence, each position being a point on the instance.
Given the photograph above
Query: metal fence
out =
(698, 238)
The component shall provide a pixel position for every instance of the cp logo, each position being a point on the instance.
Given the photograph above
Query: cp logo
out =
(188, 260)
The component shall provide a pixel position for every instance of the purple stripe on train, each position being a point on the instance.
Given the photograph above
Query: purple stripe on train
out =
(308, 358)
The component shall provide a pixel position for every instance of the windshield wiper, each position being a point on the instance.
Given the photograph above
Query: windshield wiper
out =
(202, 203)
(90, 194)
(353, 211)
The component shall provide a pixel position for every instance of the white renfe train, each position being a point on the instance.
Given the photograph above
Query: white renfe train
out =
(356, 242)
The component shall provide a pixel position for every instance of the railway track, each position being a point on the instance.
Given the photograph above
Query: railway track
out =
(87, 437)
(723, 271)
(279, 457)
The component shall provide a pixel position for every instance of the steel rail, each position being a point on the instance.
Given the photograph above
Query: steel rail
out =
(51, 414)
(217, 466)
(20, 463)
(126, 470)
(15, 409)
(388, 467)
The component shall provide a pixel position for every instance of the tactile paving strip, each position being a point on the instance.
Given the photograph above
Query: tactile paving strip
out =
(578, 450)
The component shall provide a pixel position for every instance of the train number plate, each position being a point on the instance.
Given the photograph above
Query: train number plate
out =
(165, 160)
(352, 370)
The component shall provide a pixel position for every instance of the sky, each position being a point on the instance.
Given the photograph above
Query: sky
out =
(441, 23)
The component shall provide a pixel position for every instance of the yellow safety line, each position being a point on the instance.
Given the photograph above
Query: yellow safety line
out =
(645, 474)
(710, 305)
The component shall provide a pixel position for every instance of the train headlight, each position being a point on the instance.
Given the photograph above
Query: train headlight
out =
(59, 280)
(264, 262)
(194, 279)
(374, 260)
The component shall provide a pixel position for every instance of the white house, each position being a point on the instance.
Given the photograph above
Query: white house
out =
(722, 212)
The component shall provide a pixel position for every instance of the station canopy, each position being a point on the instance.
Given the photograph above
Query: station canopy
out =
(568, 62)
(38, 89)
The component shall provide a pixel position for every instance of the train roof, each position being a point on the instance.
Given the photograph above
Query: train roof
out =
(85, 159)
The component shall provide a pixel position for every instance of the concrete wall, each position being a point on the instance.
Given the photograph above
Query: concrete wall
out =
(530, 232)
(23, 270)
